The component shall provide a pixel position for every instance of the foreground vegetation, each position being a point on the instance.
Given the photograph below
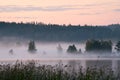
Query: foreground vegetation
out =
(33, 71)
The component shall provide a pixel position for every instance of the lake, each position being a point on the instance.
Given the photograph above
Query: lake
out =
(47, 53)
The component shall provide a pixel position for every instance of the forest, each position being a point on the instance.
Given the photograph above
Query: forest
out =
(55, 32)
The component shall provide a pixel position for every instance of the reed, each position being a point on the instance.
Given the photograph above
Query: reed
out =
(34, 71)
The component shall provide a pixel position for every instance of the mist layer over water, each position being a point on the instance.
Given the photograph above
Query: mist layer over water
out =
(44, 51)
(47, 51)
(47, 54)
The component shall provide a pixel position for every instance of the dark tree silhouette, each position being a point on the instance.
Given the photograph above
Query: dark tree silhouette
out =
(79, 51)
(98, 46)
(11, 51)
(72, 49)
(32, 47)
(117, 47)
(55, 32)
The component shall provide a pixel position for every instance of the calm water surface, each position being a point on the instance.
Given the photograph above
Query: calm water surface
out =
(47, 54)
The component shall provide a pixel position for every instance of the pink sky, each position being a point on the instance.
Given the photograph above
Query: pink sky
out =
(92, 12)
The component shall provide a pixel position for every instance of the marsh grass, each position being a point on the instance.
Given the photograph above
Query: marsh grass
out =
(34, 71)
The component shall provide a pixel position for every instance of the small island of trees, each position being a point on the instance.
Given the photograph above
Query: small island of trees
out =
(72, 49)
(98, 46)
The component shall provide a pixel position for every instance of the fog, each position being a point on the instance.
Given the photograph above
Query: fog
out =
(44, 51)
(47, 51)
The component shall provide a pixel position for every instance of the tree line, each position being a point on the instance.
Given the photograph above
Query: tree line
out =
(55, 32)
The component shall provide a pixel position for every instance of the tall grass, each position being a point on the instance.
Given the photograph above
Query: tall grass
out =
(34, 71)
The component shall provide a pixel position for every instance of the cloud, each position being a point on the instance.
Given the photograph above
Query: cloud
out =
(20, 17)
(90, 13)
(14, 8)
(117, 10)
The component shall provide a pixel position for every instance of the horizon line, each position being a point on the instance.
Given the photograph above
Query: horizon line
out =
(39, 22)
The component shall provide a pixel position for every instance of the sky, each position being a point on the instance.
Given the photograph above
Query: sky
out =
(91, 12)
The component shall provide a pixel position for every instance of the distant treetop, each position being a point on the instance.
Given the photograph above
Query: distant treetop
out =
(56, 33)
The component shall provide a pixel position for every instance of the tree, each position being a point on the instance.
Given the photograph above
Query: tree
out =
(11, 51)
(59, 48)
(98, 46)
(31, 46)
(117, 47)
(72, 49)
(79, 51)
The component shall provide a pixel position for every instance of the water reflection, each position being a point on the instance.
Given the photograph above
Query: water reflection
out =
(107, 64)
